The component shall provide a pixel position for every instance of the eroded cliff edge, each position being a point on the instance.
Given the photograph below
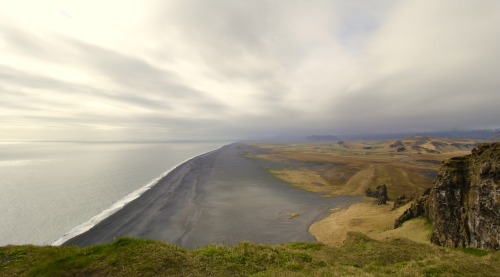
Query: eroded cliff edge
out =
(463, 202)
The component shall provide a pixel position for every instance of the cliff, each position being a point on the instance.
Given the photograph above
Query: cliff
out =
(463, 202)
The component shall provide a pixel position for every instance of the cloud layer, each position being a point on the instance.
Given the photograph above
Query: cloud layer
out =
(225, 69)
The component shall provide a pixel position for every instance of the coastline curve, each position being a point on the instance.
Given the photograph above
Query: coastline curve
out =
(118, 205)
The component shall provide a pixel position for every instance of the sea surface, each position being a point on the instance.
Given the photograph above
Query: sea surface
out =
(47, 189)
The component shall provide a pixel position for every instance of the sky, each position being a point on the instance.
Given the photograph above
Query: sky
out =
(232, 69)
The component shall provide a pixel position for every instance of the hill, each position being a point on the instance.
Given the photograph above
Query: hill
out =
(359, 256)
(433, 145)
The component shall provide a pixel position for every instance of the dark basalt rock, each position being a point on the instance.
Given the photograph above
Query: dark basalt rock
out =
(463, 203)
(397, 144)
(401, 201)
(380, 192)
(401, 149)
(417, 208)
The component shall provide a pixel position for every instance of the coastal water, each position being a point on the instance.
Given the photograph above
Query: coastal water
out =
(48, 188)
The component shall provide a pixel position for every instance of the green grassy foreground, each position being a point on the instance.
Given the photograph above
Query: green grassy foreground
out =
(360, 256)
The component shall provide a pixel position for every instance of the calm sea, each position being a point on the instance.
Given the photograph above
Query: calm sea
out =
(49, 188)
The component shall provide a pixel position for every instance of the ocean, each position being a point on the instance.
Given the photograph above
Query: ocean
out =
(49, 189)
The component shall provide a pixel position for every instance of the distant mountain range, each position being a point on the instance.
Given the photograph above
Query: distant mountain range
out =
(470, 134)
(322, 138)
(490, 135)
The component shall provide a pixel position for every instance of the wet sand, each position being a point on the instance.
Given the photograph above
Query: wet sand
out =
(218, 197)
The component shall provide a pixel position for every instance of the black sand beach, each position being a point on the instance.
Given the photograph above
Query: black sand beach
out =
(218, 197)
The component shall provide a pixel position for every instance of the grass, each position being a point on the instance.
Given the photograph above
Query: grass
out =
(343, 166)
(350, 168)
(359, 256)
(475, 252)
(428, 226)
(341, 175)
(293, 215)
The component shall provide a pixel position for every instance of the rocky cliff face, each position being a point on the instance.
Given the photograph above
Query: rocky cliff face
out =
(463, 203)
(380, 192)
(418, 208)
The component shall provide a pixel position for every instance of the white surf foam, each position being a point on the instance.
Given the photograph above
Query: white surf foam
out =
(82, 228)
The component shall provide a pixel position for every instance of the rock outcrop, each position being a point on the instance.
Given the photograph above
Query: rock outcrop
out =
(380, 192)
(402, 200)
(417, 208)
(400, 149)
(396, 144)
(463, 203)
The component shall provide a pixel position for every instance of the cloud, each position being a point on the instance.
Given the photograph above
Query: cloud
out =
(235, 69)
(431, 66)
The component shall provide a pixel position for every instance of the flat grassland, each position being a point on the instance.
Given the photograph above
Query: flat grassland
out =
(348, 168)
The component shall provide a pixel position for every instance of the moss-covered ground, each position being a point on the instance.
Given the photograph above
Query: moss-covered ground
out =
(359, 256)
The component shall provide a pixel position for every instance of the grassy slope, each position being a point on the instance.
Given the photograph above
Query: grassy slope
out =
(375, 221)
(359, 256)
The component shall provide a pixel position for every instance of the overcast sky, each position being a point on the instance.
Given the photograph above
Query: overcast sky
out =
(159, 70)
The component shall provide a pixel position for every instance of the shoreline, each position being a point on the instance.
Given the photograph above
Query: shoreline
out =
(217, 197)
(115, 207)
